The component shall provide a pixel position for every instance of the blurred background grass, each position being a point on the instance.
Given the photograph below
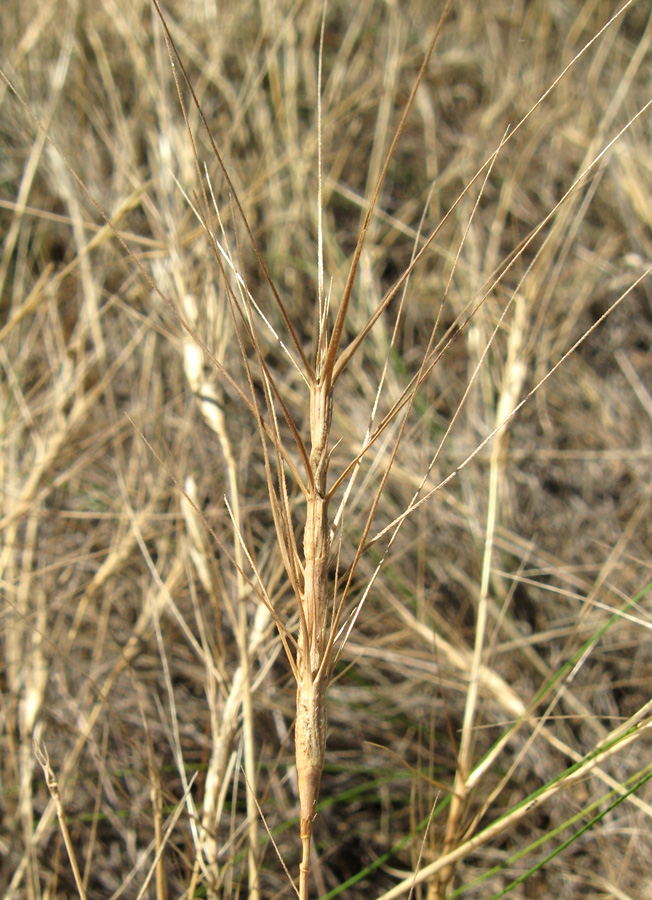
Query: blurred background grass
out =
(108, 628)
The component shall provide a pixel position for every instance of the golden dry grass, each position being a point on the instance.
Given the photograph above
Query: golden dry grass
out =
(138, 542)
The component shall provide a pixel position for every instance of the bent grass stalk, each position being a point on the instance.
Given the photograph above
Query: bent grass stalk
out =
(319, 611)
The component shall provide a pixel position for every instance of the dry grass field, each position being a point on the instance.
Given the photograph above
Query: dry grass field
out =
(251, 461)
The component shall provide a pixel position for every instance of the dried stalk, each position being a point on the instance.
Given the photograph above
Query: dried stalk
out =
(312, 656)
(313, 659)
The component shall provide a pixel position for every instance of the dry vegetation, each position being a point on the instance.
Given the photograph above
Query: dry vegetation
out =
(490, 708)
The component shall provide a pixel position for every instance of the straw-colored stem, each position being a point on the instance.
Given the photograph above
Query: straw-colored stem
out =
(312, 666)
(310, 742)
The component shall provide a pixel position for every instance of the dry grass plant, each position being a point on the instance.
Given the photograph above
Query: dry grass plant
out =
(372, 286)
